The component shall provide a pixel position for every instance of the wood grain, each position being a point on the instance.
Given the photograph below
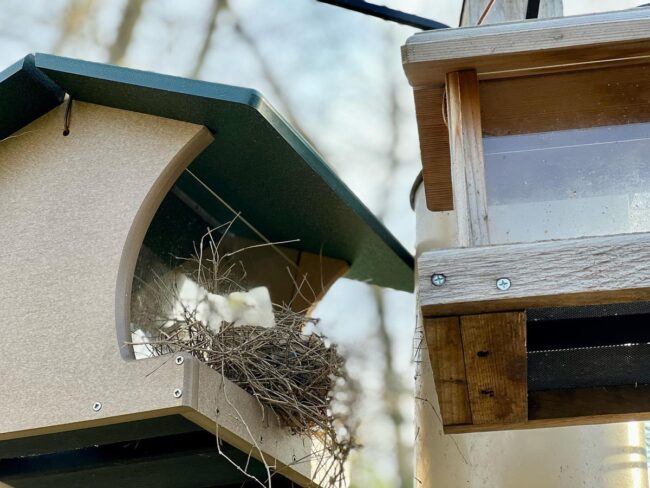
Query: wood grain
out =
(432, 130)
(519, 48)
(547, 423)
(445, 348)
(494, 346)
(467, 166)
(560, 101)
(590, 270)
(434, 148)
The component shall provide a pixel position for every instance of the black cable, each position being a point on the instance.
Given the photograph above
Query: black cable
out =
(532, 10)
(386, 13)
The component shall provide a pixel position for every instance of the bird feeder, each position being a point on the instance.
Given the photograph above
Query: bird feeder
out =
(132, 157)
(535, 144)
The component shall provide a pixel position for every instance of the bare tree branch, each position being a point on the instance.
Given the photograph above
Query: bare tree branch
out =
(218, 6)
(393, 383)
(74, 16)
(125, 30)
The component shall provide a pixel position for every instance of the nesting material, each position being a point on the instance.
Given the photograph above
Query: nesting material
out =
(271, 351)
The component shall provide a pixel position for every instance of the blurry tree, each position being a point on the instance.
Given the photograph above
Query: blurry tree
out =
(130, 16)
(218, 6)
(393, 383)
(74, 16)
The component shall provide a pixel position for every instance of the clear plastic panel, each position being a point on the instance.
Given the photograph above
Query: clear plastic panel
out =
(569, 183)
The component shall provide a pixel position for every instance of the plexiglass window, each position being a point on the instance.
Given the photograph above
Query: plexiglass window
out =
(567, 154)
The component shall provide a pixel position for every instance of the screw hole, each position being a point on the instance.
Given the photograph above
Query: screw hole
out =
(487, 392)
(483, 354)
(66, 132)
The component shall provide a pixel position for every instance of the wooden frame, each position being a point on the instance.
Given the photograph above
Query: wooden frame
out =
(532, 47)
(502, 52)
(533, 77)
(590, 270)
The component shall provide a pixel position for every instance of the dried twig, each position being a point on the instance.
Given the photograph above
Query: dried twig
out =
(289, 368)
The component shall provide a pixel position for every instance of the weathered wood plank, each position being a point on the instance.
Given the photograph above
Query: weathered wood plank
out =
(445, 347)
(516, 49)
(494, 346)
(590, 270)
(432, 129)
(546, 423)
(561, 101)
(466, 148)
(434, 148)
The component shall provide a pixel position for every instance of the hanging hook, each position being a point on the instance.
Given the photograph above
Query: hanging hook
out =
(68, 115)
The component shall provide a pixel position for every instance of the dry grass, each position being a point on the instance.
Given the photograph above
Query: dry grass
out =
(290, 367)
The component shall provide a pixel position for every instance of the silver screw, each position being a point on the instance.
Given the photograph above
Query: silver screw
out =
(504, 284)
(97, 406)
(178, 393)
(438, 279)
(179, 360)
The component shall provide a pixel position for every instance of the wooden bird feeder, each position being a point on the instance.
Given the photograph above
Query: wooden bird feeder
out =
(535, 143)
(145, 157)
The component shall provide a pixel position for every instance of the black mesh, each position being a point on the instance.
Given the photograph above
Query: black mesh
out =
(589, 367)
(590, 346)
(588, 311)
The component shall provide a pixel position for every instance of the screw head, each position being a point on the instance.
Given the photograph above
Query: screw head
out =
(178, 393)
(179, 360)
(97, 406)
(438, 279)
(504, 284)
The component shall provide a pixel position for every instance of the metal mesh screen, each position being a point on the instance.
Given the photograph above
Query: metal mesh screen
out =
(590, 346)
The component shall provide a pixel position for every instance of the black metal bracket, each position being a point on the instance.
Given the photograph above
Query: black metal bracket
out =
(388, 14)
(532, 10)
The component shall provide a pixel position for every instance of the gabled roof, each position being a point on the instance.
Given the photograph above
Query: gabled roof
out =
(257, 163)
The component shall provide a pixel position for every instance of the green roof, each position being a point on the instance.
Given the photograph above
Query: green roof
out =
(257, 162)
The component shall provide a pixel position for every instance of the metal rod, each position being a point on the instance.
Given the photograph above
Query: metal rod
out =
(532, 10)
(388, 14)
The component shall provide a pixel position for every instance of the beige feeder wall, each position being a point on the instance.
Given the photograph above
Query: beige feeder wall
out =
(595, 456)
(73, 213)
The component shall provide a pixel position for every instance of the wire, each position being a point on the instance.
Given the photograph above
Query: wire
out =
(488, 7)
(388, 14)
(239, 216)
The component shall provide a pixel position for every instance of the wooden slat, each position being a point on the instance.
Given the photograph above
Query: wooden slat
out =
(560, 101)
(585, 271)
(494, 347)
(611, 400)
(447, 361)
(466, 148)
(434, 148)
(516, 49)
(545, 423)
(434, 136)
